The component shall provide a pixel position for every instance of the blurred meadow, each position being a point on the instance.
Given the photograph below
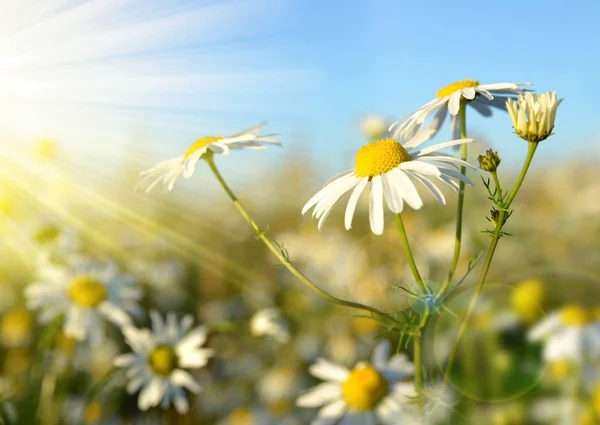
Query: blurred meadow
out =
(94, 92)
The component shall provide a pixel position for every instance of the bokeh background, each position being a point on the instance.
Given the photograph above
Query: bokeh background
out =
(93, 92)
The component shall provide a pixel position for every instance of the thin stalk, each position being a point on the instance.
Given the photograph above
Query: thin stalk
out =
(461, 202)
(489, 257)
(285, 261)
(409, 254)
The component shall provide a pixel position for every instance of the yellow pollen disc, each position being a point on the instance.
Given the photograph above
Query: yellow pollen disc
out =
(575, 315)
(527, 299)
(241, 416)
(65, 343)
(200, 143)
(364, 388)
(456, 86)
(16, 327)
(560, 369)
(86, 291)
(163, 360)
(380, 157)
(93, 413)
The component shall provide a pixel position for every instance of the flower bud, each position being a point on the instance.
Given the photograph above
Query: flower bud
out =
(490, 161)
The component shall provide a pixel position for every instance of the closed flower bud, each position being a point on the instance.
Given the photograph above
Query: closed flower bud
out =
(490, 161)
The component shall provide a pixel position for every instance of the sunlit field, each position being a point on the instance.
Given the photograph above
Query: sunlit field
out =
(200, 223)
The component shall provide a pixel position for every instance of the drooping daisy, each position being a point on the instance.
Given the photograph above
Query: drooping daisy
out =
(573, 334)
(449, 99)
(169, 171)
(86, 294)
(160, 359)
(387, 166)
(369, 393)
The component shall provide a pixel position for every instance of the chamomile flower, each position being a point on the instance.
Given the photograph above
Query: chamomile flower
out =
(86, 294)
(533, 115)
(449, 100)
(160, 359)
(573, 333)
(169, 171)
(270, 322)
(369, 393)
(388, 168)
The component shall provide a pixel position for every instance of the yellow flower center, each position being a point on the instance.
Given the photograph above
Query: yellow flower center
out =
(163, 360)
(16, 327)
(65, 343)
(380, 157)
(456, 86)
(575, 315)
(241, 416)
(200, 143)
(93, 413)
(527, 299)
(86, 291)
(560, 370)
(364, 388)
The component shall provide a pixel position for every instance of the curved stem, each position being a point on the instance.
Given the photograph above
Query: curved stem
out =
(285, 261)
(409, 254)
(488, 260)
(461, 202)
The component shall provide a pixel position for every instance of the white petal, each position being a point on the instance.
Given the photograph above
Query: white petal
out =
(330, 414)
(454, 103)
(351, 207)
(376, 205)
(184, 379)
(546, 327)
(152, 393)
(180, 401)
(443, 145)
(324, 193)
(420, 167)
(435, 191)
(406, 188)
(468, 93)
(328, 371)
(124, 360)
(381, 354)
(392, 195)
(321, 394)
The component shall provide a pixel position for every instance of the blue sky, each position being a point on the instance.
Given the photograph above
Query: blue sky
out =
(153, 76)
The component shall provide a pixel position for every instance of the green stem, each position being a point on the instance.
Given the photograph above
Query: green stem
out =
(497, 183)
(409, 254)
(461, 202)
(285, 261)
(488, 259)
(530, 152)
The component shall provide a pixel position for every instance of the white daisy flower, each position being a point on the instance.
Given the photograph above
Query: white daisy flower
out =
(533, 115)
(270, 322)
(387, 166)
(573, 334)
(86, 294)
(369, 393)
(373, 126)
(160, 359)
(169, 171)
(481, 97)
